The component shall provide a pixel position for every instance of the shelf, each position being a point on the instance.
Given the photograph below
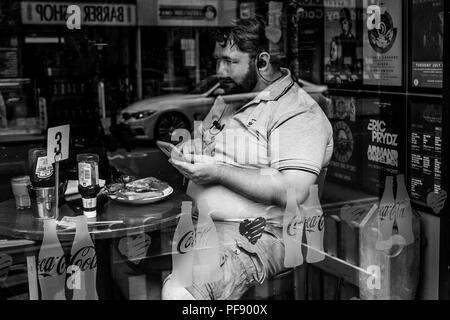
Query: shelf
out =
(383, 93)
(21, 138)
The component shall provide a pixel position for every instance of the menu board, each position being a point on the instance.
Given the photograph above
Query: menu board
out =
(383, 46)
(425, 155)
(427, 44)
(343, 52)
(9, 67)
(384, 132)
(347, 154)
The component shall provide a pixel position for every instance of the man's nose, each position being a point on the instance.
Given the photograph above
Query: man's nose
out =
(221, 70)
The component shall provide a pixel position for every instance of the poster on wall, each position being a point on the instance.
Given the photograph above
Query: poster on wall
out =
(383, 46)
(247, 10)
(343, 54)
(425, 160)
(347, 154)
(306, 39)
(427, 43)
(274, 32)
(384, 135)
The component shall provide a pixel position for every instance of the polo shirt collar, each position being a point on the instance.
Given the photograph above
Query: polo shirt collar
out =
(274, 91)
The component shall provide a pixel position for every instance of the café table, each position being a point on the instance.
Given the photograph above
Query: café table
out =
(136, 219)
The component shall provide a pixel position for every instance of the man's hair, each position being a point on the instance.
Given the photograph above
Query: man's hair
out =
(249, 35)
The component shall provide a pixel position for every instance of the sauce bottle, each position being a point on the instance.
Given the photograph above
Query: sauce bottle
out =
(88, 182)
(41, 171)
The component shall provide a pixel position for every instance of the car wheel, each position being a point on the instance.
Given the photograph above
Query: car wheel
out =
(168, 123)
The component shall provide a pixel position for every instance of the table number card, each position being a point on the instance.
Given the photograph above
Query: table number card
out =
(58, 143)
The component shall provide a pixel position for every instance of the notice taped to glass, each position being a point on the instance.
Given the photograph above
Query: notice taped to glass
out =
(343, 52)
(345, 163)
(383, 141)
(427, 43)
(425, 155)
(306, 39)
(383, 47)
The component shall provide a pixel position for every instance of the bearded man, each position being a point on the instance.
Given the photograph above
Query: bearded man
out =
(247, 159)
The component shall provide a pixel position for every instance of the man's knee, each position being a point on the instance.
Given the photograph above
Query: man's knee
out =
(171, 291)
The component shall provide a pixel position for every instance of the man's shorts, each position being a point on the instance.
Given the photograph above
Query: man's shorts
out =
(242, 263)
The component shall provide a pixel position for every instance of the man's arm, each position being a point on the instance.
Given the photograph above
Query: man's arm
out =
(265, 186)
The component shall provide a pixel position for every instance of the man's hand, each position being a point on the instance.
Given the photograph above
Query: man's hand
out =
(190, 148)
(195, 147)
(203, 171)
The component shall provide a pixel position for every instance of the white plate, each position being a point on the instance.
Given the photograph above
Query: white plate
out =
(166, 192)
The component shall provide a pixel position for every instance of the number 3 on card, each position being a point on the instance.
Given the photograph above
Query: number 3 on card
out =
(58, 143)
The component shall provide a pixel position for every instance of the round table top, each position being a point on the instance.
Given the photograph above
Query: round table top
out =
(135, 219)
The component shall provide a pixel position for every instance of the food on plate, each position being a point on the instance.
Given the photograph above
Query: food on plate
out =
(113, 187)
(146, 184)
(138, 189)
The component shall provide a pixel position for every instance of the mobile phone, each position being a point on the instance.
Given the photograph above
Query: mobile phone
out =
(169, 149)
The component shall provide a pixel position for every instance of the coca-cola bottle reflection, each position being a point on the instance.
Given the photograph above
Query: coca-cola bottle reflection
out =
(404, 211)
(182, 248)
(385, 217)
(293, 221)
(207, 267)
(51, 265)
(88, 182)
(83, 263)
(314, 226)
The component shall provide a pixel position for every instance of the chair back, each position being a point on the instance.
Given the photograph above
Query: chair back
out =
(321, 181)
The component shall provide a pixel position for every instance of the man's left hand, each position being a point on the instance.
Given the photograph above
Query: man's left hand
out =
(204, 170)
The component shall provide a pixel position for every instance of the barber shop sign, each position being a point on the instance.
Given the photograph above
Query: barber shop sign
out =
(76, 15)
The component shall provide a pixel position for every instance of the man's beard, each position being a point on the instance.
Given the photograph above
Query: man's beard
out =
(246, 85)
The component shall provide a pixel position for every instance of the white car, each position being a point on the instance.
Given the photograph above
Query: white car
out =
(156, 118)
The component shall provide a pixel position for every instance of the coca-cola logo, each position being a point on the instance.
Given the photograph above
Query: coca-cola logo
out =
(186, 242)
(5, 264)
(294, 226)
(46, 266)
(85, 258)
(392, 211)
(315, 223)
(385, 211)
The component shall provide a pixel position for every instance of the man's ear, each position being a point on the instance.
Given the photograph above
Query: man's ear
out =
(263, 60)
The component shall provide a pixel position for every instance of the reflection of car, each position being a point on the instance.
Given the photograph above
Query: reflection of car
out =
(156, 118)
